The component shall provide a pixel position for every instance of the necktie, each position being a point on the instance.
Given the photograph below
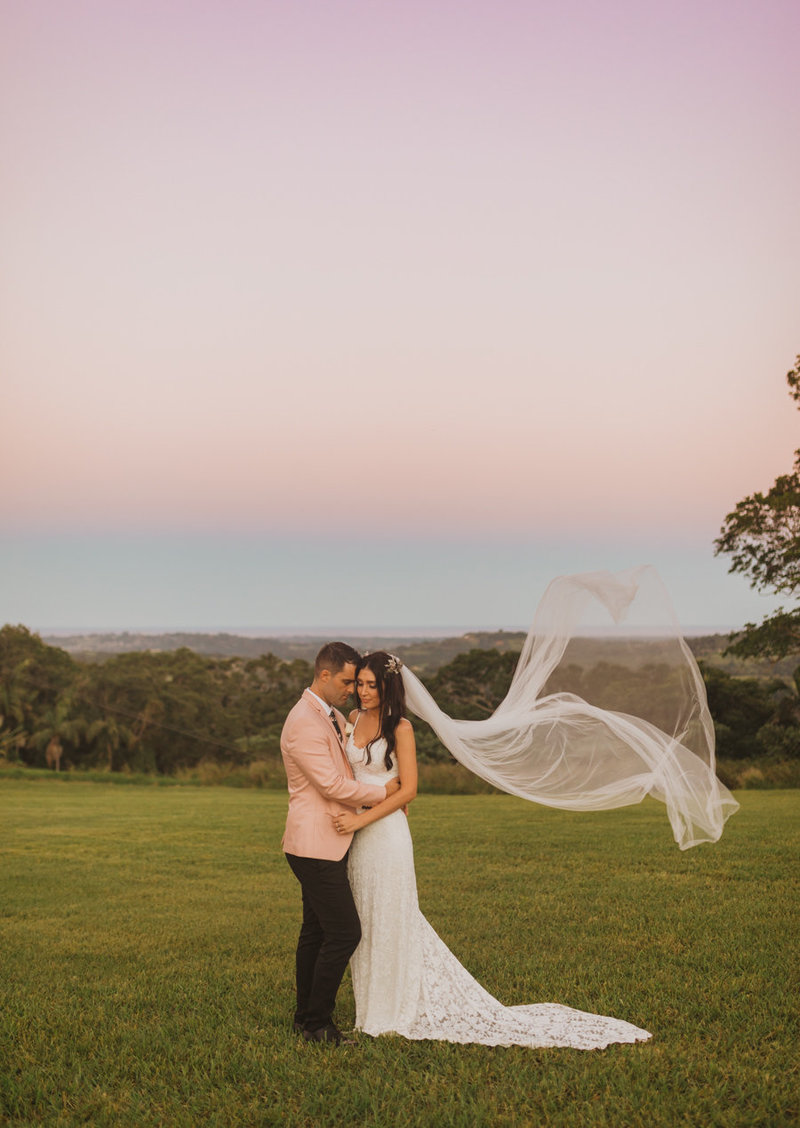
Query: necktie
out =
(332, 716)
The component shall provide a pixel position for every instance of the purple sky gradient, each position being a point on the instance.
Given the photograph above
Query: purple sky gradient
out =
(490, 286)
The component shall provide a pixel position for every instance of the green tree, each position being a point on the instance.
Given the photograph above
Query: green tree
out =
(108, 736)
(13, 736)
(473, 684)
(762, 537)
(34, 679)
(742, 708)
(56, 726)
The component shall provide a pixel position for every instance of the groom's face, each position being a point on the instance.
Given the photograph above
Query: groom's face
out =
(339, 686)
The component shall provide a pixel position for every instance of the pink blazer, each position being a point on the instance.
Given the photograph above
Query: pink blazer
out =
(320, 782)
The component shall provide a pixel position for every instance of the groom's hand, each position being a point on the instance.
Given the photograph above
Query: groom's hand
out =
(392, 786)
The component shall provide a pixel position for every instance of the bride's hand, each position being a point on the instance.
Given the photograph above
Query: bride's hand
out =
(345, 823)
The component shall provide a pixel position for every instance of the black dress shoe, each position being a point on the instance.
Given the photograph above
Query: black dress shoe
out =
(298, 1027)
(329, 1033)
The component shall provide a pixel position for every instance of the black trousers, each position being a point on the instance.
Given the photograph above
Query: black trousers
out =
(330, 933)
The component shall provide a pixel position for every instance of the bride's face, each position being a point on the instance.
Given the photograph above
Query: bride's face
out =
(367, 688)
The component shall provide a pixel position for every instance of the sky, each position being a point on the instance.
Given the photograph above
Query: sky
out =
(357, 314)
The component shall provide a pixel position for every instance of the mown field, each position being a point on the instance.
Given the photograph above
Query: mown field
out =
(146, 978)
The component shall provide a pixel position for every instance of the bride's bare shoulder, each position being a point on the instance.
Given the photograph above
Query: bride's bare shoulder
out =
(404, 725)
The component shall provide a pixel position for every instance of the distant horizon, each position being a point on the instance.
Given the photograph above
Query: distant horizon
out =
(453, 631)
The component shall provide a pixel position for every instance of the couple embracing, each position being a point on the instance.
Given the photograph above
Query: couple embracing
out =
(324, 792)
(348, 842)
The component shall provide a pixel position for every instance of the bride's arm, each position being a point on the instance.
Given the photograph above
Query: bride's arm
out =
(406, 751)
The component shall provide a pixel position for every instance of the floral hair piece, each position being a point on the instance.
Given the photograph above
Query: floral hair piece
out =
(394, 665)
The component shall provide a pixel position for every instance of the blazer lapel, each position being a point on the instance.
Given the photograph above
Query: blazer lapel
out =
(339, 741)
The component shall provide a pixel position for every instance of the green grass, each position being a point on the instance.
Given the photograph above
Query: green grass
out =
(146, 951)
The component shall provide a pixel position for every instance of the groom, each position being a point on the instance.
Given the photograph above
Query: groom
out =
(321, 784)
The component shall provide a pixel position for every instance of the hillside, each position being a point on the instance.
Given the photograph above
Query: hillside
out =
(423, 654)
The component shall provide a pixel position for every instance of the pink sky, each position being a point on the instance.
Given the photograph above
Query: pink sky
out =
(517, 271)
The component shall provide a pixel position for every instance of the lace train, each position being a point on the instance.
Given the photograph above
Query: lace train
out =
(407, 981)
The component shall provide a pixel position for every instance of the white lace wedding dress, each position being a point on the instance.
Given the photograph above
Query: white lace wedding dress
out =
(407, 981)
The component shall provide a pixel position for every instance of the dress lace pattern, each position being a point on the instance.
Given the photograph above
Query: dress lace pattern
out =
(407, 981)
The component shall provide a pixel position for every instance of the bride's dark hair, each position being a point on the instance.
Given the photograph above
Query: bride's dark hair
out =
(389, 683)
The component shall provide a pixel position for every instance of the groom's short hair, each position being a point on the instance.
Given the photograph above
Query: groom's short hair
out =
(334, 656)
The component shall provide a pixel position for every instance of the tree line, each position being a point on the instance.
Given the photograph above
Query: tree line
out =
(167, 713)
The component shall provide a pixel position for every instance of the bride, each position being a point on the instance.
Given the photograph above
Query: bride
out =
(554, 747)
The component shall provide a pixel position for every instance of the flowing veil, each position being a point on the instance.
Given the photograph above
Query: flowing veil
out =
(592, 721)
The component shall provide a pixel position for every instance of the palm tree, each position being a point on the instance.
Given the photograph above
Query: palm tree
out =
(55, 726)
(13, 736)
(111, 735)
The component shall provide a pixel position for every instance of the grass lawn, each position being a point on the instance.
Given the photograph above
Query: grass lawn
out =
(146, 965)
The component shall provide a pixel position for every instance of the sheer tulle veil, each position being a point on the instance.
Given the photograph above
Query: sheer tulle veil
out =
(596, 719)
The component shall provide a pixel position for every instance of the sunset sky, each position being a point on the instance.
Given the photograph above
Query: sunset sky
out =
(325, 313)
